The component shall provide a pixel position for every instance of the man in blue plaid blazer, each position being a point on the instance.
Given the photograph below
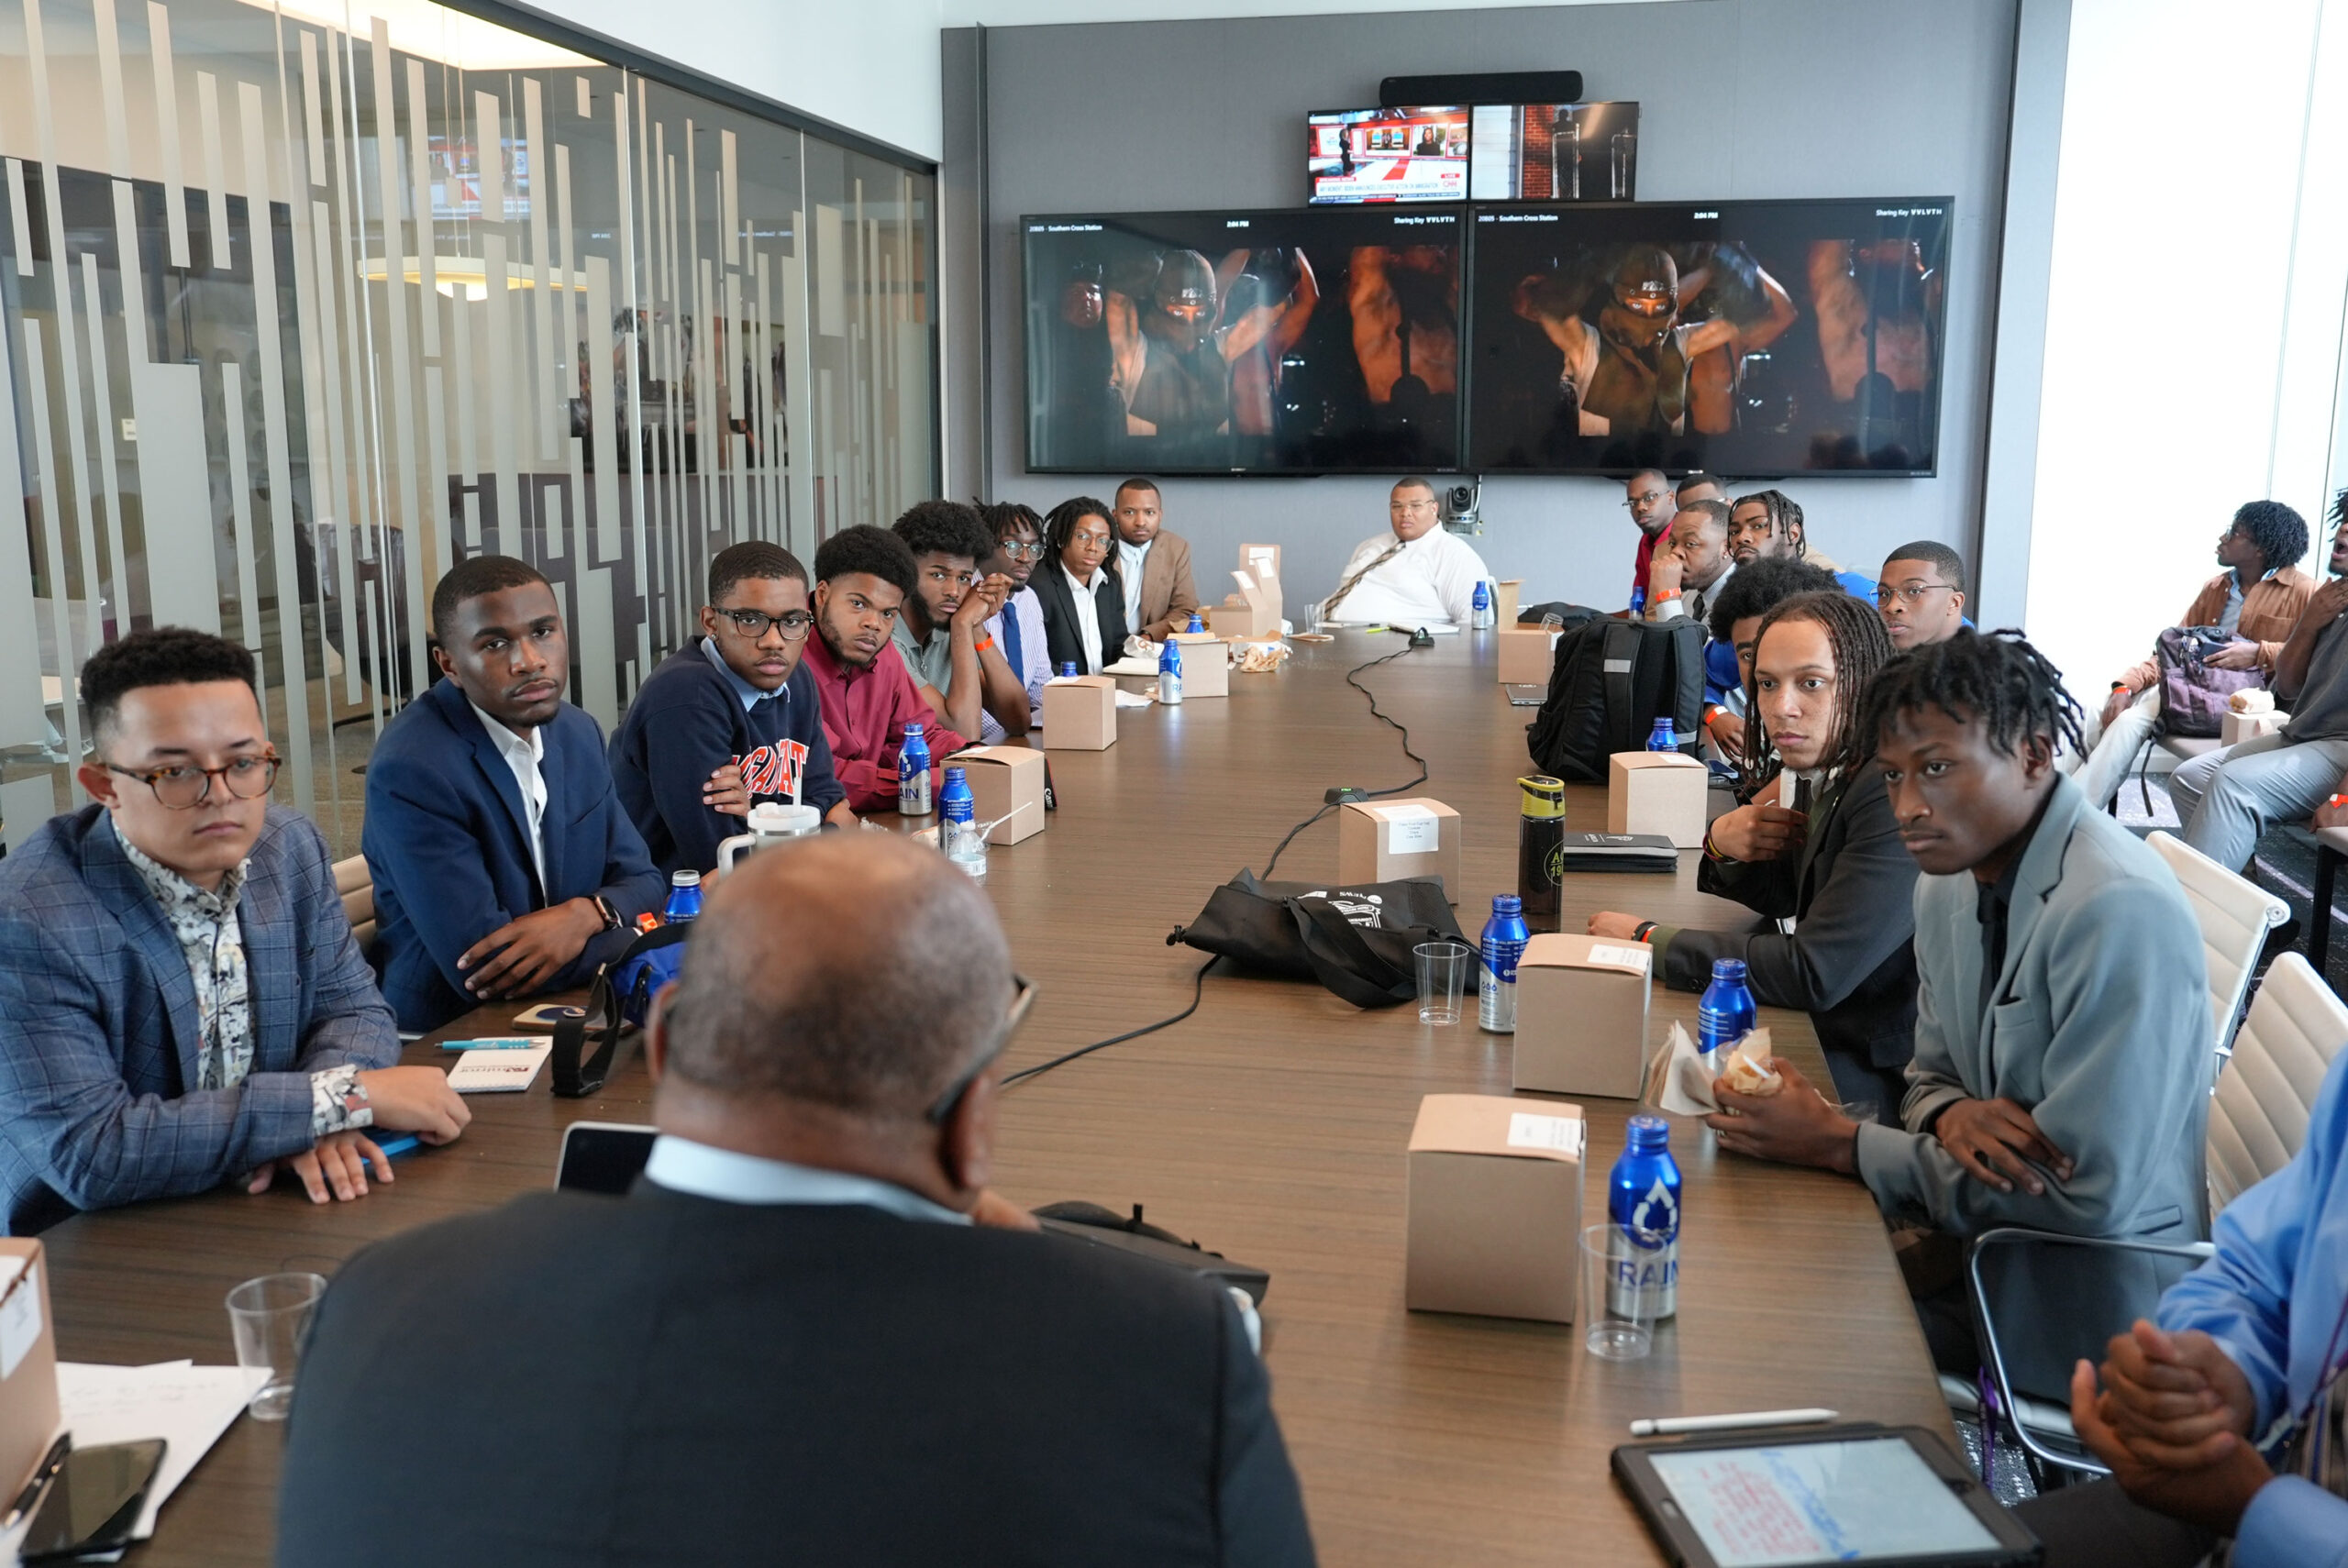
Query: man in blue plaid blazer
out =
(182, 1003)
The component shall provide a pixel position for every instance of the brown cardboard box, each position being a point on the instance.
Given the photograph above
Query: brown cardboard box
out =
(1657, 792)
(1581, 1015)
(1006, 781)
(1504, 606)
(1527, 655)
(28, 1361)
(1206, 665)
(1255, 610)
(1495, 1206)
(2236, 728)
(1079, 713)
(1383, 841)
(1252, 557)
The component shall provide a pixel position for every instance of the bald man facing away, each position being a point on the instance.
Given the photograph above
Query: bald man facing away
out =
(789, 1343)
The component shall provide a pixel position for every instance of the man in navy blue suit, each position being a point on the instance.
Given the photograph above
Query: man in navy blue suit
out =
(503, 863)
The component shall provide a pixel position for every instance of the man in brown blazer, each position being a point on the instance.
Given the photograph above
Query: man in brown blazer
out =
(1154, 565)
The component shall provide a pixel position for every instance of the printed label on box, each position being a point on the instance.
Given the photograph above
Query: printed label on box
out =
(1563, 1134)
(20, 1321)
(1411, 830)
(1634, 958)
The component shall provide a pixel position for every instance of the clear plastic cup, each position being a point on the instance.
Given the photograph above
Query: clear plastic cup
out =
(1618, 1297)
(1443, 968)
(270, 1318)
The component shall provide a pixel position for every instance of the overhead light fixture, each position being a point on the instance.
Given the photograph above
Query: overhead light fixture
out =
(434, 32)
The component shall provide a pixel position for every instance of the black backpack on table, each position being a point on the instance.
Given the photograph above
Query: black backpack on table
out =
(1610, 682)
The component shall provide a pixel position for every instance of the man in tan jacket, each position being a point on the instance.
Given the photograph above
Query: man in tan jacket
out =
(2257, 597)
(1153, 565)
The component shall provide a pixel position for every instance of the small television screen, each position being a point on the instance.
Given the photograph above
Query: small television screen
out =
(1747, 337)
(1389, 155)
(1314, 340)
(1553, 152)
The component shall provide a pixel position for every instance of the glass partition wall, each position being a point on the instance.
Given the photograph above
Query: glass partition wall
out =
(303, 303)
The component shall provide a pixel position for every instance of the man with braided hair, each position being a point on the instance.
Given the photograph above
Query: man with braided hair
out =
(1824, 851)
(2061, 1079)
(1768, 523)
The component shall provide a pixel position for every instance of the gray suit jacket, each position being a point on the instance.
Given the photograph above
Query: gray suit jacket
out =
(101, 1038)
(1167, 594)
(2098, 1026)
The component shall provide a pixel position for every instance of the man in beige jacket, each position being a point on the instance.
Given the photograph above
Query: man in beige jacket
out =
(1153, 565)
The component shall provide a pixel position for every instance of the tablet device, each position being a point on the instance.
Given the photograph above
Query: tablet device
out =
(1524, 695)
(602, 1156)
(1894, 1497)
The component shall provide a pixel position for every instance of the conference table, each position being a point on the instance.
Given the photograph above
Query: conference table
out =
(1271, 1126)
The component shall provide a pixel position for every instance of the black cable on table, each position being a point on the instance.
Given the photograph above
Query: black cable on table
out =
(1199, 980)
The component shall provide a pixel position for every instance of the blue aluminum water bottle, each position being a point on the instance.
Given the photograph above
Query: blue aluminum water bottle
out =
(1195, 625)
(1725, 1013)
(1482, 605)
(1662, 738)
(684, 898)
(913, 774)
(958, 831)
(1068, 669)
(1643, 1202)
(1169, 671)
(1638, 603)
(1505, 935)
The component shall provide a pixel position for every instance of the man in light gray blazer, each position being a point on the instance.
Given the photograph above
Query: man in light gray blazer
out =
(2063, 1061)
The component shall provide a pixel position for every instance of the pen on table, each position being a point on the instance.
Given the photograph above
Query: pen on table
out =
(1675, 1426)
(31, 1494)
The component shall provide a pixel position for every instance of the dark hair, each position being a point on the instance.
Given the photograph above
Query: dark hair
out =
(1408, 480)
(1952, 565)
(1759, 587)
(1785, 518)
(1717, 511)
(1137, 482)
(1995, 676)
(751, 558)
(165, 656)
(1005, 517)
(472, 579)
(1697, 478)
(1643, 473)
(1062, 524)
(946, 528)
(875, 552)
(1861, 648)
(2280, 534)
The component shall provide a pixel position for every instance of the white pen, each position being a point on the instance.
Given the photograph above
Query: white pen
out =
(1675, 1426)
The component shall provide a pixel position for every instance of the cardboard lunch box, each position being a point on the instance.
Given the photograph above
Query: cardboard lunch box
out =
(1660, 792)
(1495, 1206)
(1528, 653)
(29, 1414)
(1007, 782)
(1079, 713)
(1383, 841)
(2236, 728)
(1206, 663)
(1254, 611)
(1583, 1017)
(1505, 593)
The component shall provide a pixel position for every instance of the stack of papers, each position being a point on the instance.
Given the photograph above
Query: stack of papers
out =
(1134, 700)
(185, 1404)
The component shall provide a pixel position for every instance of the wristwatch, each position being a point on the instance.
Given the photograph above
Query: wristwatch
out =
(604, 907)
(1639, 933)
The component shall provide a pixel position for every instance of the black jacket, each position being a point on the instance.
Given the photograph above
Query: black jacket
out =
(574, 1380)
(1851, 961)
(1060, 609)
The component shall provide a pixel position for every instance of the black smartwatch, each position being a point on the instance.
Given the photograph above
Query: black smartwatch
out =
(1639, 933)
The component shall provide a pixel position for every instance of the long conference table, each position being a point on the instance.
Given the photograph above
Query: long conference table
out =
(1271, 1126)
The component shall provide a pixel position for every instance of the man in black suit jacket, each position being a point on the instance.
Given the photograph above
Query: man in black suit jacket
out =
(1083, 599)
(789, 1343)
(1825, 851)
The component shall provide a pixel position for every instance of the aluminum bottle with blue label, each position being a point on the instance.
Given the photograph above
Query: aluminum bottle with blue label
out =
(684, 898)
(1724, 1012)
(959, 829)
(1482, 605)
(1662, 738)
(1643, 1206)
(1505, 935)
(1195, 625)
(1068, 669)
(1638, 605)
(1169, 671)
(913, 774)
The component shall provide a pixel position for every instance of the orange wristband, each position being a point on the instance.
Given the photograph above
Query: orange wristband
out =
(983, 643)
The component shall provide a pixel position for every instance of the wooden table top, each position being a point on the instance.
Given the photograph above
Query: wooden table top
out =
(1271, 1126)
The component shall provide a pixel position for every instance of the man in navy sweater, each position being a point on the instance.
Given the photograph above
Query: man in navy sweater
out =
(730, 719)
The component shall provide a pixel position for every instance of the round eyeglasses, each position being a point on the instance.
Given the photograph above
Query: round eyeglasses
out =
(183, 789)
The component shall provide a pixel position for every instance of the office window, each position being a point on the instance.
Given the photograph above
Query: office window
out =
(302, 303)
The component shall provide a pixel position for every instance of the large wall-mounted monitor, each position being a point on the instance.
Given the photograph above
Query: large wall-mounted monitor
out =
(1747, 337)
(1553, 152)
(1389, 155)
(1319, 340)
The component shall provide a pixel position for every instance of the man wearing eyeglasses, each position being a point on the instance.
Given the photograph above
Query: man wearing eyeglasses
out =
(730, 719)
(811, 1332)
(941, 631)
(1920, 595)
(185, 1003)
(1019, 624)
(1417, 574)
(1647, 497)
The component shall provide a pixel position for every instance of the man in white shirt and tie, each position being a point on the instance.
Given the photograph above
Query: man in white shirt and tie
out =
(1414, 575)
(1691, 564)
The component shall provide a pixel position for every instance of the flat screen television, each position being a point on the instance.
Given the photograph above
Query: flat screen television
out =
(1553, 152)
(1389, 155)
(1747, 337)
(1313, 340)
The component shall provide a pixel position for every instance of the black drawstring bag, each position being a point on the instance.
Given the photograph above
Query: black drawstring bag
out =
(1356, 940)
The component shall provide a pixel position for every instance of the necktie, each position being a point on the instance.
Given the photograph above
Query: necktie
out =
(1010, 643)
(1329, 606)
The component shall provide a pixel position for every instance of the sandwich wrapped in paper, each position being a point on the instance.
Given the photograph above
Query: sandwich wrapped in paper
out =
(1681, 1080)
(2252, 700)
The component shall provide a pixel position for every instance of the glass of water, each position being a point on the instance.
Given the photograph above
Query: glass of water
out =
(270, 1318)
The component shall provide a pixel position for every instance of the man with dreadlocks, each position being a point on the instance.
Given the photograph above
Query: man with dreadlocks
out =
(2062, 1067)
(1826, 853)
(1768, 523)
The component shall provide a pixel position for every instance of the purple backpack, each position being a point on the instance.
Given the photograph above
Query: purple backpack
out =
(2193, 694)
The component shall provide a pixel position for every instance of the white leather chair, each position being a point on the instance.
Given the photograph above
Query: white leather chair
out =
(357, 886)
(2234, 914)
(2258, 1117)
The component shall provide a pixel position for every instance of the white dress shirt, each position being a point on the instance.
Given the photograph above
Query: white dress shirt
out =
(1431, 579)
(1035, 659)
(523, 757)
(1132, 557)
(1695, 603)
(1087, 621)
(701, 1171)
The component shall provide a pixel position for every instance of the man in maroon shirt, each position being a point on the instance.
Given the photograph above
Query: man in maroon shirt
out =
(862, 576)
